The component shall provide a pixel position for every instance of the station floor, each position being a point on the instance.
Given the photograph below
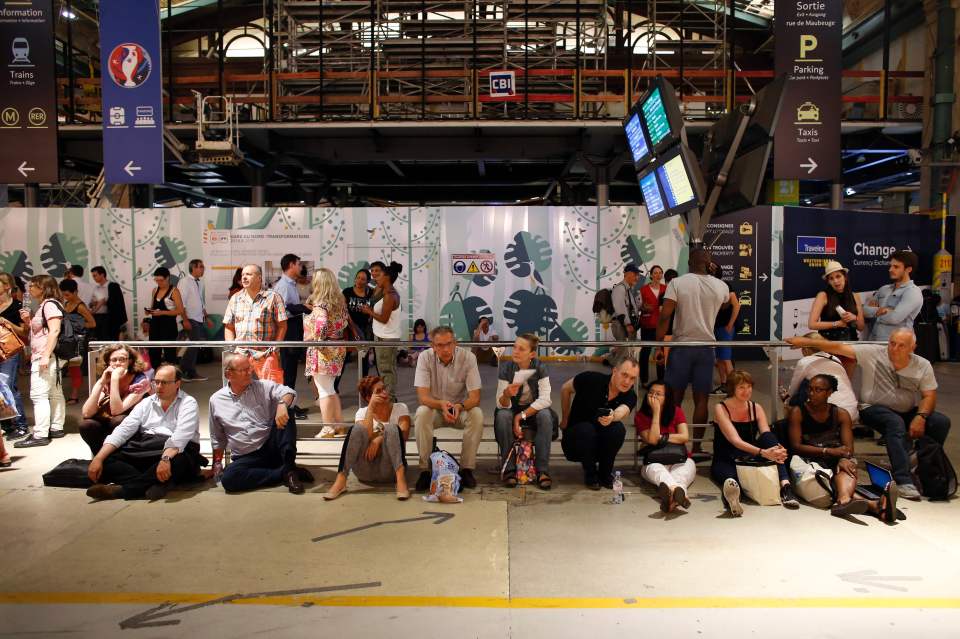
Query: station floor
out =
(504, 563)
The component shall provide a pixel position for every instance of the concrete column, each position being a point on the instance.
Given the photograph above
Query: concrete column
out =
(836, 195)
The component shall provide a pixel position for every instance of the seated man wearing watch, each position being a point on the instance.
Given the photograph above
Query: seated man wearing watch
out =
(448, 388)
(251, 417)
(897, 397)
(156, 445)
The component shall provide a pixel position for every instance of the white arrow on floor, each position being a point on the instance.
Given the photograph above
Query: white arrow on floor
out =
(130, 168)
(871, 579)
(810, 166)
(24, 169)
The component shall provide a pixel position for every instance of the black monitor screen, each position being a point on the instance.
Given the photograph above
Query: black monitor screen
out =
(676, 182)
(655, 116)
(637, 140)
(651, 193)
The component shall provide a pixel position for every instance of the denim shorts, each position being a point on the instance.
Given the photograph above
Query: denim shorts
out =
(690, 365)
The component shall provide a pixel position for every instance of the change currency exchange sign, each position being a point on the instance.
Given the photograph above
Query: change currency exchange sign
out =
(28, 108)
(132, 91)
(808, 37)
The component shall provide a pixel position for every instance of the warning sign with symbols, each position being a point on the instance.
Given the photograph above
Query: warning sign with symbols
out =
(473, 263)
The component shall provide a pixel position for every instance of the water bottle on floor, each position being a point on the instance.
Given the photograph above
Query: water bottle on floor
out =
(617, 488)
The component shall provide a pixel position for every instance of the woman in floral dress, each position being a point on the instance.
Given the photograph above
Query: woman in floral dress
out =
(327, 321)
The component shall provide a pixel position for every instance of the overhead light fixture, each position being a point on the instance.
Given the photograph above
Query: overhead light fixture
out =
(851, 191)
(68, 14)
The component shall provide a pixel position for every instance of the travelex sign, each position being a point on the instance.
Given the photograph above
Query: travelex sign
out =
(132, 91)
(816, 245)
(28, 108)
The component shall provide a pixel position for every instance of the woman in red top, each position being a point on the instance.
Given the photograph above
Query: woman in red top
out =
(649, 316)
(659, 419)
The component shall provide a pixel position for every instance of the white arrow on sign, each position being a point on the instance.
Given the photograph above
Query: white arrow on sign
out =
(810, 166)
(24, 169)
(130, 168)
(763, 276)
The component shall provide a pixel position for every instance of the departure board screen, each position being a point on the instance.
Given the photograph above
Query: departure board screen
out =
(638, 142)
(655, 117)
(676, 182)
(651, 193)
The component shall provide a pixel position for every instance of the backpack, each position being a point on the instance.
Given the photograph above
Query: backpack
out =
(72, 338)
(523, 456)
(603, 302)
(935, 474)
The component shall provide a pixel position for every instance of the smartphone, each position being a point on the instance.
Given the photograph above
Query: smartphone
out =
(604, 412)
(451, 409)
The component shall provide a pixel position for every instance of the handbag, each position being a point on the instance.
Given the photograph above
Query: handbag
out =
(812, 482)
(760, 481)
(668, 454)
(71, 473)
(10, 343)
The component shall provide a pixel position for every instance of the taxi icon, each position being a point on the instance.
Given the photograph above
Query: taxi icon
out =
(808, 112)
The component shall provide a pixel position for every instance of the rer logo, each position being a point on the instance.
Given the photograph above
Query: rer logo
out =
(816, 245)
(502, 84)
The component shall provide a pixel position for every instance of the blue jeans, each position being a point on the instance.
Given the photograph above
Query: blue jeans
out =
(198, 333)
(542, 423)
(266, 466)
(894, 427)
(8, 375)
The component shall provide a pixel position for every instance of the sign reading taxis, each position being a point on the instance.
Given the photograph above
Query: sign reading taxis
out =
(808, 37)
(28, 108)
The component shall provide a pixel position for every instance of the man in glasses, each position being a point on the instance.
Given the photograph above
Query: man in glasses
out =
(251, 417)
(898, 396)
(156, 445)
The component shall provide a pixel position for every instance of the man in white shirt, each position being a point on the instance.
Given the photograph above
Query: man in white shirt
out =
(195, 318)
(158, 444)
(696, 297)
(107, 305)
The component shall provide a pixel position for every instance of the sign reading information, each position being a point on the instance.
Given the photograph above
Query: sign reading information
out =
(132, 91)
(808, 50)
(28, 108)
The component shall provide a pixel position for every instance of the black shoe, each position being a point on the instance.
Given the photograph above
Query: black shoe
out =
(787, 497)
(423, 481)
(467, 480)
(57, 434)
(292, 482)
(105, 491)
(607, 483)
(299, 413)
(157, 491)
(31, 442)
(862, 432)
(592, 484)
(882, 442)
(304, 475)
(17, 433)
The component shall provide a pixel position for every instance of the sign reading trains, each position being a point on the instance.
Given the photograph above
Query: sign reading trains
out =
(808, 50)
(28, 107)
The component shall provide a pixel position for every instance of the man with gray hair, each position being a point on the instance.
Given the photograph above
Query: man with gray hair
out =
(256, 314)
(897, 397)
(448, 388)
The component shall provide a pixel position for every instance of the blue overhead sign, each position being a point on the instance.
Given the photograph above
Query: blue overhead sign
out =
(132, 91)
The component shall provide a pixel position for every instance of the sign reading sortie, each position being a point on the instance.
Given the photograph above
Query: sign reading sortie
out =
(808, 50)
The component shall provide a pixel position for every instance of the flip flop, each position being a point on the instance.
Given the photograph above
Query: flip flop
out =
(888, 509)
(545, 482)
(852, 507)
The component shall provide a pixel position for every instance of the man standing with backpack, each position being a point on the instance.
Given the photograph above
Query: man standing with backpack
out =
(626, 306)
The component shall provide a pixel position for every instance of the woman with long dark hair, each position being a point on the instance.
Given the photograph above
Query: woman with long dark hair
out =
(825, 315)
(164, 310)
(659, 421)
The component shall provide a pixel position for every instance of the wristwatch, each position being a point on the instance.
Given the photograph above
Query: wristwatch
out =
(523, 416)
(165, 458)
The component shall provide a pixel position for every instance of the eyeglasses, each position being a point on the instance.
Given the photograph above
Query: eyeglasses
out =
(652, 394)
(164, 382)
(242, 371)
(122, 358)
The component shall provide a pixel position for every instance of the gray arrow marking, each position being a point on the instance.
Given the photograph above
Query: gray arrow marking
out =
(440, 518)
(870, 579)
(155, 617)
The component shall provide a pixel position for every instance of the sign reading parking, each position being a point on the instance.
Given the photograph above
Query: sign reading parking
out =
(503, 84)
(28, 107)
(132, 91)
(474, 263)
(808, 37)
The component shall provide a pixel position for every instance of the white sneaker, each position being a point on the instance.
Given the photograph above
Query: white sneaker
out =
(731, 492)
(909, 491)
(327, 432)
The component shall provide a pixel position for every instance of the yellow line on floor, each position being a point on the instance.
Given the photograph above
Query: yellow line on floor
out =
(483, 602)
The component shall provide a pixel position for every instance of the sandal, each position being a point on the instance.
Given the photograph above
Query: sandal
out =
(852, 507)
(544, 482)
(6, 462)
(888, 503)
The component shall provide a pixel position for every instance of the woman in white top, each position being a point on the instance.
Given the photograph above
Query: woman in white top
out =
(373, 449)
(816, 362)
(385, 313)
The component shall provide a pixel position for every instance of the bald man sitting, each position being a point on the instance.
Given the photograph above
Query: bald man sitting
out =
(897, 397)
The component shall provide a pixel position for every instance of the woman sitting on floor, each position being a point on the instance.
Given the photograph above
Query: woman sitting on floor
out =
(743, 432)
(374, 448)
(121, 386)
(823, 433)
(660, 422)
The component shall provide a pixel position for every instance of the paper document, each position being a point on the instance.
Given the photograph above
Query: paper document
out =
(522, 376)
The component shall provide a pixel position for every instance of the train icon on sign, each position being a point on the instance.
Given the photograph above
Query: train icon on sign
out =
(20, 48)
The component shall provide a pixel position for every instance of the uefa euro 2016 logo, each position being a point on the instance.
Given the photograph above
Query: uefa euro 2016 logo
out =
(130, 65)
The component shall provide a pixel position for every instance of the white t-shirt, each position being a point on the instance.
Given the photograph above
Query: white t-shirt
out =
(698, 298)
(823, 364)
(399, 410)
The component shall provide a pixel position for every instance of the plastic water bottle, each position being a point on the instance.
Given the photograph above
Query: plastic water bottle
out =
(217, 472)
(618, 496)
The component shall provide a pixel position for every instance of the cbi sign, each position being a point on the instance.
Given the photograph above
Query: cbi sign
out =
(503, 84)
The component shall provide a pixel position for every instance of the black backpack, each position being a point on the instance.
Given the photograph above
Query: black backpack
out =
(72, 339)
(603, 301)
(935, 474)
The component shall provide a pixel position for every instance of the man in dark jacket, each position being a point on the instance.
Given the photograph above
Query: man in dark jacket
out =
(108, 306)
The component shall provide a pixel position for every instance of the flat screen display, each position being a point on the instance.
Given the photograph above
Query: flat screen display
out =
(638, 142)
(651, 193)
(655, 116)
(676, 182)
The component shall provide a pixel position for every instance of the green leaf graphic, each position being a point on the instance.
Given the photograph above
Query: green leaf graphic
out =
(16, 263)
(170, 252)
(348, 273)
(526, 253)
(463, 315)
(638, 250)
(61, 252)
(569, 330)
